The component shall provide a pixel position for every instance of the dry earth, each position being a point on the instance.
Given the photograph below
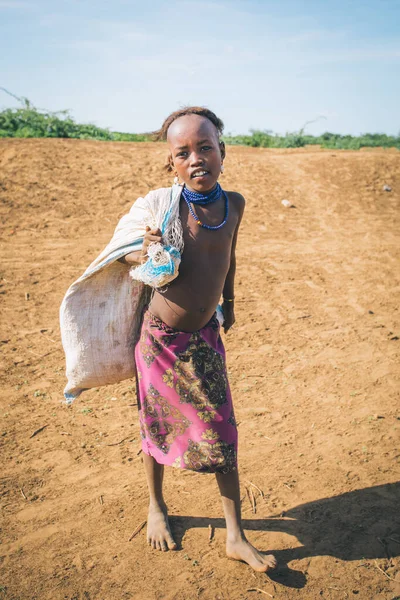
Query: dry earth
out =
(313, 363)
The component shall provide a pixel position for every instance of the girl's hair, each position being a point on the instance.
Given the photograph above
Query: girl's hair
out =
(161, 134)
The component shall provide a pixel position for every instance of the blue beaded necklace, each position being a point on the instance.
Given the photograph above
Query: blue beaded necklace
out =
(202, 199)
(207, 198)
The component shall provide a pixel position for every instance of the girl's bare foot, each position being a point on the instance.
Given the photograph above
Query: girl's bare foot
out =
(241, 549)
(159, 535)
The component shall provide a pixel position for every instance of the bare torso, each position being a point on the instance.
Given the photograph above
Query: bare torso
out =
(190, 300)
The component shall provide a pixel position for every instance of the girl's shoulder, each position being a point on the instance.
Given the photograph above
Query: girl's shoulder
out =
(157, 194)
(163, 192)
(152, 199)
(157, 191)
(237, 199)
(236, 196)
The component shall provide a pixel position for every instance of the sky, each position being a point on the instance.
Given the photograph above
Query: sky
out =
(259, 64)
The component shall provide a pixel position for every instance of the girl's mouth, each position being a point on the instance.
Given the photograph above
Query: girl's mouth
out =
(198, 174)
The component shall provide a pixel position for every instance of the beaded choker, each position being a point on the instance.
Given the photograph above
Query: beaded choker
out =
(202, 199)
(197, 198)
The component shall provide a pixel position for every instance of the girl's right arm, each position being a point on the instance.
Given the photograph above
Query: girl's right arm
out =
(140, 256)
(131, 259)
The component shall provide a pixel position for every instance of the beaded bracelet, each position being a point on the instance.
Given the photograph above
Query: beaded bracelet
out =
(228, 299)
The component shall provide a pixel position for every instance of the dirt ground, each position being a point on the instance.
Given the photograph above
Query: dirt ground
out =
(313, 363)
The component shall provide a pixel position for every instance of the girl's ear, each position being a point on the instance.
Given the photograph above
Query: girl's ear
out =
(222, 149)
(169, 167)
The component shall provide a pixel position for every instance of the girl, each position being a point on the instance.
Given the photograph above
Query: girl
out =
(185, 405)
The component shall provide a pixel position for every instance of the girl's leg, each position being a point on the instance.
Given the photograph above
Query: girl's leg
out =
(237, 546)
(158, 532)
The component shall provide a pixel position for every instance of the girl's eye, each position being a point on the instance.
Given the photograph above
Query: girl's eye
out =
(181, 153)
(206, 148)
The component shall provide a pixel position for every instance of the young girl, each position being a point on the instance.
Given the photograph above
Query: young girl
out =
(185, 406)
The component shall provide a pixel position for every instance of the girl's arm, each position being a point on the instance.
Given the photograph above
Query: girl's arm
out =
(131, 259)
(139, 256)
(228, 292)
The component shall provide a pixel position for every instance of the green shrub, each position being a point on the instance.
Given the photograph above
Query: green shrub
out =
(31, 122)
(266, 139)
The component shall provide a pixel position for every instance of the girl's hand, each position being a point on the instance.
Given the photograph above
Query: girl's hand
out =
(229, 315)
(151, 236)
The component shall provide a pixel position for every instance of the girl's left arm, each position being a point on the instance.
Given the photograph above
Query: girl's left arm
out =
(228, 292)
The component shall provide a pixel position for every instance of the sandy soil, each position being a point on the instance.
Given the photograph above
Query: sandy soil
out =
(313, 363)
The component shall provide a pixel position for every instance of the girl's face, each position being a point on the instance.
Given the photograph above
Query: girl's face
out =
(196, 152)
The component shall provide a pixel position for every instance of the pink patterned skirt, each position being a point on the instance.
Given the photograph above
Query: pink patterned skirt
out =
(185, 405)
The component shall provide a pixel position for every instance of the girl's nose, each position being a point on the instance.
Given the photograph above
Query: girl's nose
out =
(196, 159)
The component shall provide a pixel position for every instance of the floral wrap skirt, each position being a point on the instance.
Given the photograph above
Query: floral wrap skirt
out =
(185, 405)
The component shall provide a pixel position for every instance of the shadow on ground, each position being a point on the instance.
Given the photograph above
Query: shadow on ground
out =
(363, 524)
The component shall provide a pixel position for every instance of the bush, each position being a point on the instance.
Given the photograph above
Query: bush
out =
(266, 139)
(31, 122)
